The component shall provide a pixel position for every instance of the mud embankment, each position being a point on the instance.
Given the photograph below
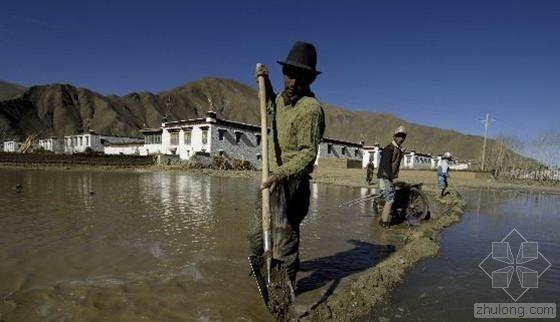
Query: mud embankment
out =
(49, 159)
(373, 288)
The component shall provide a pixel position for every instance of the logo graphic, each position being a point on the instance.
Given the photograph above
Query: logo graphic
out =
(528, 265)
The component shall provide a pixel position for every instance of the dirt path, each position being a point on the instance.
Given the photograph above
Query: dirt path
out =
(339, 176)
(356, 178)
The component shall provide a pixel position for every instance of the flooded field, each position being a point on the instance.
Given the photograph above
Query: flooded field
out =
(88, 245)
(445, 288)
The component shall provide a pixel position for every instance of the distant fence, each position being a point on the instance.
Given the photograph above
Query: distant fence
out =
(75, 159)
(540, 175)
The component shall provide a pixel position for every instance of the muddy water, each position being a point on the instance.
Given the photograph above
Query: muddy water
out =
(445, 288)
(126, 246)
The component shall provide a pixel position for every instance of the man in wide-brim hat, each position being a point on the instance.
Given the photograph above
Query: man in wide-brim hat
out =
(298, 124)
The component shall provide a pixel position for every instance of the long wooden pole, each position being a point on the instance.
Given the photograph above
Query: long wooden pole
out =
(266, 222)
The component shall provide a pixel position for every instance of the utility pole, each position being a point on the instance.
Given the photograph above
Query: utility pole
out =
(486, 121)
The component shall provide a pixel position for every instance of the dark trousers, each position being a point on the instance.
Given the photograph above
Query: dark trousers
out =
(289, 203)
(369, 172)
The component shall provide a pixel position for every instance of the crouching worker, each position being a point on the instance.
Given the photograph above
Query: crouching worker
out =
(296, 130)
(443, 173)
(388, 170)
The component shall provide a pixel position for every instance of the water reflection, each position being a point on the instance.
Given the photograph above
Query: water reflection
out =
(180, 212)
(114, 246)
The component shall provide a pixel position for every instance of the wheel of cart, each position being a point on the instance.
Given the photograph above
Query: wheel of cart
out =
(410, 202)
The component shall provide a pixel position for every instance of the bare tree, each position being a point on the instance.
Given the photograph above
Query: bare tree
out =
(528, 159)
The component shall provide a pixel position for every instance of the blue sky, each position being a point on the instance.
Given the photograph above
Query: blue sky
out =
(438, 63)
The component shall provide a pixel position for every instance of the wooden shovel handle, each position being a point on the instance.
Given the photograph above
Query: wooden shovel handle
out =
(264, 153)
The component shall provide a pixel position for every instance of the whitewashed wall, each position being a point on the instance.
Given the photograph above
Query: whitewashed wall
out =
(337, 149)
(132, 149)
(52, 144)
(188, 149)
(246, 149)
(184, 149)
(414, 161)
(152, 144)
(459, 166)
(149, 149)
(79, 143)
(371, 152)
(11, 146)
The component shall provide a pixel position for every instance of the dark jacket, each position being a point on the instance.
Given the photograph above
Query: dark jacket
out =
(390, 162)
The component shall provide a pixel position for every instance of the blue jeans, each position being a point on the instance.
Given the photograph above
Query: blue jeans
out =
(442, 182)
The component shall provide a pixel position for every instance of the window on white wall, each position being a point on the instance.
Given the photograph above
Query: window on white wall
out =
(174, 138)
(238, 136)
(205, 136)
(87, 140)
(221, 134)
(343, 150)
(258, 136)
(153, 139)
(188, 136)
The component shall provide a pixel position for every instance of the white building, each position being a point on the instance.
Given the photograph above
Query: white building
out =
(11, 146)
(373, 153)
(339, 149)
(459, 166)
(213, 136)
(152, 142)
(95, 142)
(126, 148)
(411, 160)
(415, 160)
(52, 144)
(208, 135)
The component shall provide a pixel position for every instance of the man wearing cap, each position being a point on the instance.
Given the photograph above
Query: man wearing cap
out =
(298, 124)
(443, 172)
(388, 170)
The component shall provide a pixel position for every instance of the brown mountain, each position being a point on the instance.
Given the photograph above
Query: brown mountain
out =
(61, 109)
(9, 90)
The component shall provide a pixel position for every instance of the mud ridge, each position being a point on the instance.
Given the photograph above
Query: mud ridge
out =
(373, 288)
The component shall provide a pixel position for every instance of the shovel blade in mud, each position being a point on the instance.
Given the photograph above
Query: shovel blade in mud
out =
(256, 270)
